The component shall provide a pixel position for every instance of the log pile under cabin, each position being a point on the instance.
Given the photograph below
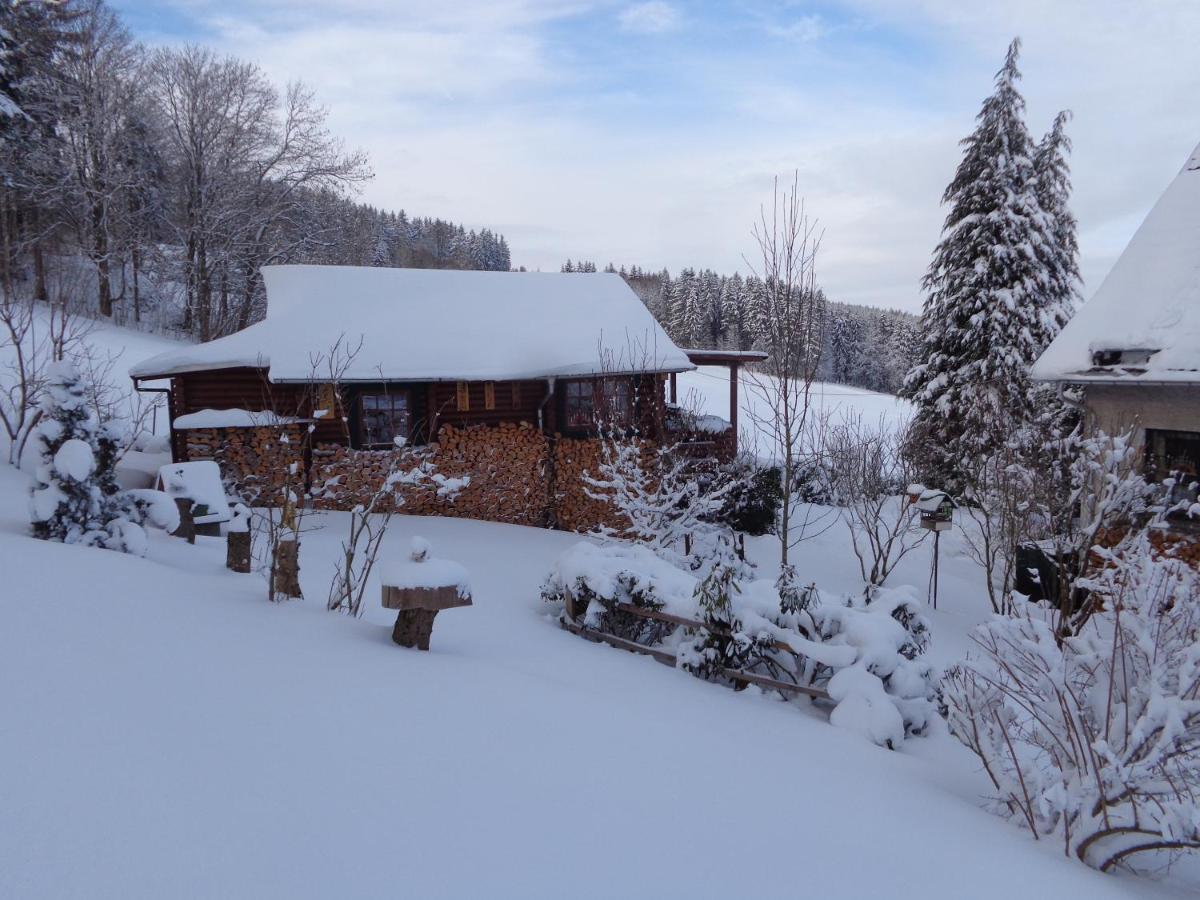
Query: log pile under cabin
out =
(517, 474)
(574, 509)
(506, 464)
(255, 461)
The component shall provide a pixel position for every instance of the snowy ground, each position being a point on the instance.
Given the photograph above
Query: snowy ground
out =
(167, 732)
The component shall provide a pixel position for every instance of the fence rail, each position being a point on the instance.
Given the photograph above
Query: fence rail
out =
(669, 659)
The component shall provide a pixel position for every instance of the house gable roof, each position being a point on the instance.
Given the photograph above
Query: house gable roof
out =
(439, 325)
(1143, 324)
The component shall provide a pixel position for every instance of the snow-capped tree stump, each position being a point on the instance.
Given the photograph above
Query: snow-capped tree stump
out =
(285, 576)
(187, 524)
(418, 589)
(237, 551)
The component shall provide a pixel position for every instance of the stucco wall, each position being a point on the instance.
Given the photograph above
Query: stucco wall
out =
(1116, 408)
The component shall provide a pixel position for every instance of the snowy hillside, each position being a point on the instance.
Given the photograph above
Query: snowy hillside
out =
(707, 390)
(165, 731)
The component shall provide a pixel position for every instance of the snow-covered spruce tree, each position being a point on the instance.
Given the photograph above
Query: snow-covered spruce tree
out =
(997, 289)
(67, 503)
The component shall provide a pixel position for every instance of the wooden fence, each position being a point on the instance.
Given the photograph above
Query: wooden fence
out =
(569, 622)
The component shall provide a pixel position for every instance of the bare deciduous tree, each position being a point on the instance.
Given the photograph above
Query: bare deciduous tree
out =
(870, 473)
(791, 322)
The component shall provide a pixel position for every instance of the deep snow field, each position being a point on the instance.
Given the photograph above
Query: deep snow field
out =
(165, 731)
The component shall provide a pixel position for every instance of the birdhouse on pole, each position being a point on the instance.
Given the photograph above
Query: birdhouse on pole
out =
(937, 510)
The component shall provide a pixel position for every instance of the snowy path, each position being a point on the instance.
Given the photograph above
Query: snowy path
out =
(167, 732)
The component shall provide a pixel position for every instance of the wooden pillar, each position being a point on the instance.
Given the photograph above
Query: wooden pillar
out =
(431, 423)
(674, 389)
(733, 402)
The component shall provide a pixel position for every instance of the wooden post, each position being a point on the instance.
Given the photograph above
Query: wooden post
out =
(187, 524)
(733, 403)
(674, 389)
(237, 551)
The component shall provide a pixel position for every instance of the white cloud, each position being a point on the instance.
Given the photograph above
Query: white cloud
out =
(652, 17)
(495, 114)
(804, 29)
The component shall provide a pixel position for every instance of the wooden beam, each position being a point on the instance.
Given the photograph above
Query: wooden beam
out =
(674, 389)
(668, 659)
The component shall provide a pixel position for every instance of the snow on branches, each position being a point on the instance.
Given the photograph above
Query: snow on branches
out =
(664, 499)
(75, 497)
(1094, 739)
(866, 652)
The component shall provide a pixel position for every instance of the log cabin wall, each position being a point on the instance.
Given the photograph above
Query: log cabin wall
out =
(485, 430)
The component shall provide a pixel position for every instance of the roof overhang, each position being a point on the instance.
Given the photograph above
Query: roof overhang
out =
(724, 357)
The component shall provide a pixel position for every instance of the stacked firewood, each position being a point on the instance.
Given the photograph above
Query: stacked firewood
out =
(574, 509)
(506, 465)
(255, 461)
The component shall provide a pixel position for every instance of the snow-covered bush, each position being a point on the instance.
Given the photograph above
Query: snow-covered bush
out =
(870, 472)
(888, 691)
(752, 503)
(723, 642)
(591, 580)
(664, 498)
(865, 651)
(1094, 739)
(75, 497)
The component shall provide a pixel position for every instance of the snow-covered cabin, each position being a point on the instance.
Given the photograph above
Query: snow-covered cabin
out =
(1134, 347)
(354, 357)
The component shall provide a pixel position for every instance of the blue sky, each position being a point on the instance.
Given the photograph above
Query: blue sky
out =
(649, 132)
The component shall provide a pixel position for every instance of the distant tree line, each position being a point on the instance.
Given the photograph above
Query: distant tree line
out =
(165, 178)
(862, 346)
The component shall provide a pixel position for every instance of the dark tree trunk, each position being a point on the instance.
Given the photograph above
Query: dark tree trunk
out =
(413, 628)
(285, 574)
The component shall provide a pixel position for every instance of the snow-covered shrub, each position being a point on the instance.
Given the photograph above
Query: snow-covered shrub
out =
(887, 692)
(664, 499)
(75, 497)
(723, 642)
(590, 580)
(1094, 739)
(866, 651)
(752, 503)
(67, 504)
(870, 472)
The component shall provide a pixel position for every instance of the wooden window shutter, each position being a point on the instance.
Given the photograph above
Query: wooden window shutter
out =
(489, 395)
(462, 397)
(327, 400)
(516, 395)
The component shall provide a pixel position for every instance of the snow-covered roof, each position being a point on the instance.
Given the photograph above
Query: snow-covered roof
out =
(232, 418)
(440, 325)
(1143, 324)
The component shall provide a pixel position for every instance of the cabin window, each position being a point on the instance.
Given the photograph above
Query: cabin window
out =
(607, 401)
(1171, 452)
(383, 418)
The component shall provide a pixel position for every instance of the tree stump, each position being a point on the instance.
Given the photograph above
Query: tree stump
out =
(187, 524)
(413, 627)
(285, 576)
(237, 551)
